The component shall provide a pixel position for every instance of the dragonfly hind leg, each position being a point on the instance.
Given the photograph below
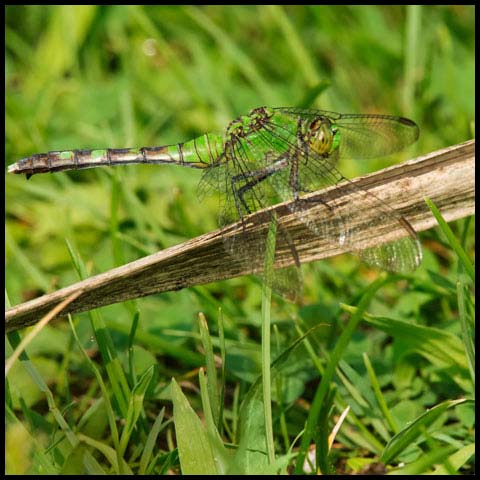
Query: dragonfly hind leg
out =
(254, 178)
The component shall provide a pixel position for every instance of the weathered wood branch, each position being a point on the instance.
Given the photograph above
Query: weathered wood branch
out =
(446, 176)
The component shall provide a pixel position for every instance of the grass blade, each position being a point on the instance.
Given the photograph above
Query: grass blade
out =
(266, 341)
(414, 430)
(454, 243)
(135, 407)
(378, 394)
(157, 427)
(105, 344)
(212, 384)
(194, 447)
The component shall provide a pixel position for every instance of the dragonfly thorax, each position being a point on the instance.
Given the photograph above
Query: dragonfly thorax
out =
(246, 124)
(320, 136)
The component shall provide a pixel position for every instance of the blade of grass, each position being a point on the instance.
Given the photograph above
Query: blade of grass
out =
(413, 31)
(223, 356)
(338, 425)
(194, 447)
(407, 436)
(425, 462)
(266, 356)
(157, 427)
(378, 394)
(279, 387)
(105, 344)
(355, 386)
(301, 54)
(211, 428)
(92, 467)
(131, 339)
(322, 436)
(462, 311)
(111, 454)
(235, 413)
(105, 394)
(212, 384)
(36, 329)
(454, 243)
(135, 407)
(457, 459)
(466, 333)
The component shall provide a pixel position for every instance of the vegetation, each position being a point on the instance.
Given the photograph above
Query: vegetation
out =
(172, 382)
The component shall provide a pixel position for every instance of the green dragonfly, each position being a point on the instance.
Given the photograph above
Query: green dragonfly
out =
(273, 155)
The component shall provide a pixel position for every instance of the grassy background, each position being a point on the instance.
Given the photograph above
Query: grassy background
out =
(90, 76)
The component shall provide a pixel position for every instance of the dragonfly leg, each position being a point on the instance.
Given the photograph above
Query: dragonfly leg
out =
(296, 189)
(254, 178)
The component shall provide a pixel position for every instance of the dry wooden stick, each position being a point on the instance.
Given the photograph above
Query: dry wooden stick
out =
(446, 176)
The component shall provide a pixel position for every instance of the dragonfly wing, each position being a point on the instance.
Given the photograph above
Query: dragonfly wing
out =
(403, 255)
(371, 136)
(215, 181)
(341, 224)
(288, 282)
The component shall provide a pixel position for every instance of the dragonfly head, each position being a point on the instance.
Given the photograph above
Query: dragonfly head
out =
(321, 136)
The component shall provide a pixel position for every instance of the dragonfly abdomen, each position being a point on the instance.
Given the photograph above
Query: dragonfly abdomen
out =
(78, 159)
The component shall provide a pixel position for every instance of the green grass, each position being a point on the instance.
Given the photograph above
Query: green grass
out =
(95, 394)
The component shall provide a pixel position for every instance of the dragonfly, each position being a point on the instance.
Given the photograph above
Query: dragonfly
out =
(273, 155)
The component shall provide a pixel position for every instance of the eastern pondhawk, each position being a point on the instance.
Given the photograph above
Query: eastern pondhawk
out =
(273, 155)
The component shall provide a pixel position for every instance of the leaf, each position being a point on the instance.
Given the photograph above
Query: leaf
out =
(251, 456)
(414, 431)
(95, 420)
(109, 453)
(457, 459)
(212, 383)
(454, 243)
(425, 461)
(158, 425)
(135, 406)
(441, 348)
(194, 447)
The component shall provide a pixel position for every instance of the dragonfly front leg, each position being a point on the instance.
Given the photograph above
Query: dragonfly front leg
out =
(293, 180)
(298, 189)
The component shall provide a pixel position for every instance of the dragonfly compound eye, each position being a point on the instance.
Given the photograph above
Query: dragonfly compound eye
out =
(321, 137)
